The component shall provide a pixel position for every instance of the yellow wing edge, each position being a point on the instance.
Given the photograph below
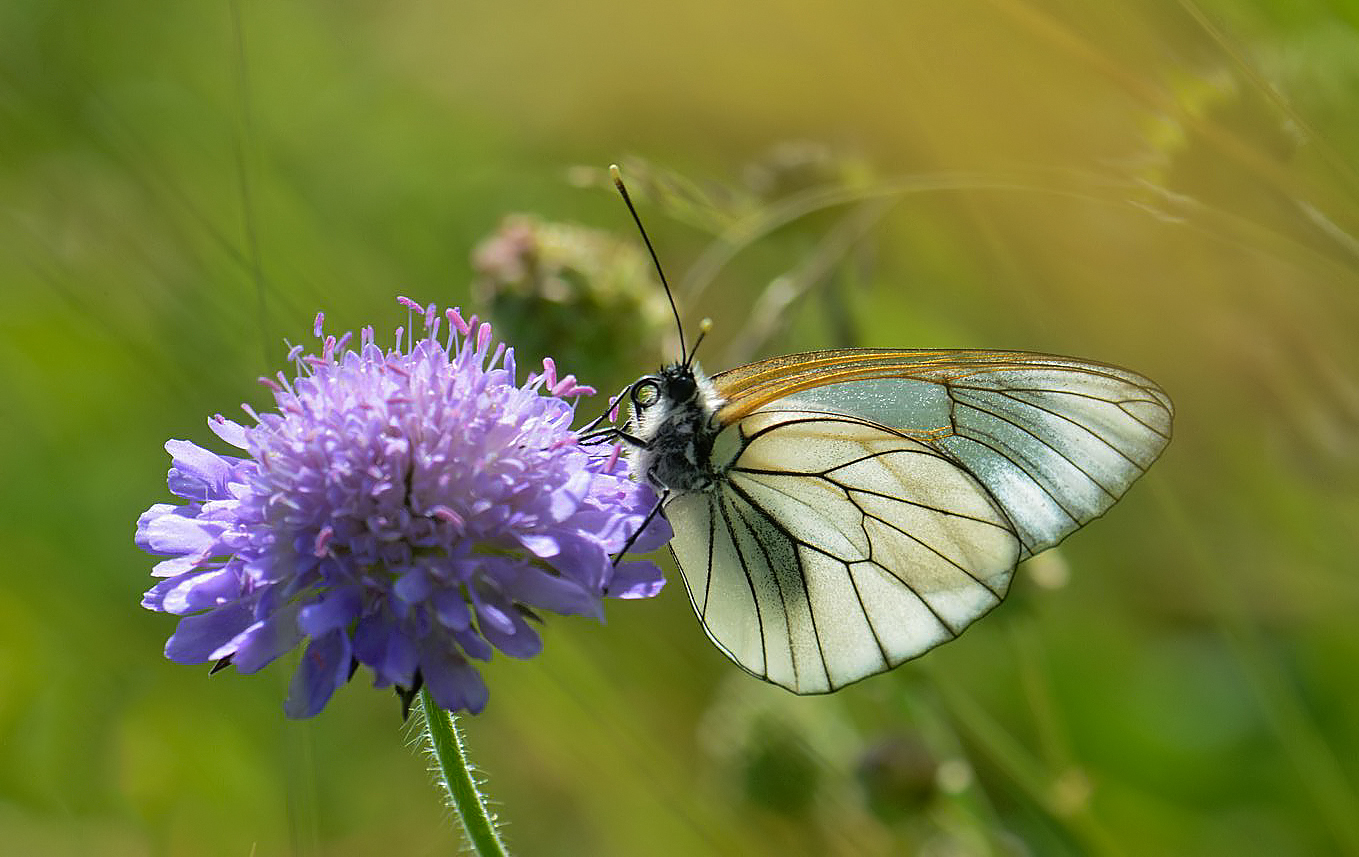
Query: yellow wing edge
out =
(748, 388)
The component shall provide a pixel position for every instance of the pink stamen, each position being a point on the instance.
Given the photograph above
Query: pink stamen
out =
(448, 516)
(322, 540)
(455, 318)
(564, 386)
(316, 326)
(549, 372)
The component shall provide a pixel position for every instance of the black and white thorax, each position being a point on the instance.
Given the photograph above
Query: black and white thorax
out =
(676, 427)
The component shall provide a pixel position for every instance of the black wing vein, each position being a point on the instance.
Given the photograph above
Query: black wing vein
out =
(1058, 452)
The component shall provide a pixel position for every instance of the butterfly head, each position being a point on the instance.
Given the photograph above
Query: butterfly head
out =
(679, 388)
(675, 386)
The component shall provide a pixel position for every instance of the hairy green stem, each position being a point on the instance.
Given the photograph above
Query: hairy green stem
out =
(446, 741)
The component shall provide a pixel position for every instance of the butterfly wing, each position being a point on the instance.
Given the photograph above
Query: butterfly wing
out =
(875, 502)
(1055, 440)
(836, 548)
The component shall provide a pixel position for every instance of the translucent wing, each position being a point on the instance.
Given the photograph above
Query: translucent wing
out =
(836, 548)
(1054, 440)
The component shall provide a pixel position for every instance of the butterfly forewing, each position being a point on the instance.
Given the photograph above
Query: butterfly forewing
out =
(835, 548)
(1054, 440)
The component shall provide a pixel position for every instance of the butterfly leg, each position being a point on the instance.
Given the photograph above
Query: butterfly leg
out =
(632, 539)
(610, 413)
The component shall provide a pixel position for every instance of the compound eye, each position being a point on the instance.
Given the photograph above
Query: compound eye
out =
(681, 389)
(645, 393)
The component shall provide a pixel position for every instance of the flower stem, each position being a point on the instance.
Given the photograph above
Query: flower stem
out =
(446, 742)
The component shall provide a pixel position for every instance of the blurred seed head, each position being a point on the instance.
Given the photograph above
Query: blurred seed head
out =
(1049, 569)
(954, 776)
(1071, 792)
(580, 294)
(899, 776)
(779, 771)
(773, 752)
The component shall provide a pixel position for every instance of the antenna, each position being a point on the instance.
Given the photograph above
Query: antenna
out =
(703, 327)
(617, 176)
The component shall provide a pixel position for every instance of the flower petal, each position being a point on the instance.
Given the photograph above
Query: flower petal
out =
(473, 644)
(414, 586)
(177, 565)
(454, 683)
(194, 591)
(450, 607)
(383, 646)
(536, 588)
(657, 533)
(638, 579)
(520, 641)
(567, 499)
(198, 637)
(229, 430)
(264, 641)
(583, 560)
(324, 667)
(176, 534)
(334, 609)
(540, 544)
(197, 474)
(493, 611)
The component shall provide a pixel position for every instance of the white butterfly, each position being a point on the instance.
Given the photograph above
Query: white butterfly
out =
(839, 512)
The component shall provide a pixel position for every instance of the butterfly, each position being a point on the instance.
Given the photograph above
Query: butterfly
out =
(837, 513)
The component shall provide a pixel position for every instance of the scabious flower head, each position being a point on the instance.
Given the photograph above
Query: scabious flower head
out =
(407, 509)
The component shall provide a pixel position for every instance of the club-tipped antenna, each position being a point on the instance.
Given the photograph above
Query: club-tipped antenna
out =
(703, 327)
(617, 176)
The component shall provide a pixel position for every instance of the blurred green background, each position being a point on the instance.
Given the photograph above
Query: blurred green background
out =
(1164, 185)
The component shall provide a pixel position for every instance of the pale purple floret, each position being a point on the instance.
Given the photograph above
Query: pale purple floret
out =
(406, 509)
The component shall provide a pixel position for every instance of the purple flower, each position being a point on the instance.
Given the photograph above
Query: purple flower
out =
(406, 509)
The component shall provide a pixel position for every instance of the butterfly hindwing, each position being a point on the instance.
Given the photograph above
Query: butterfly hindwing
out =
(835, 548)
